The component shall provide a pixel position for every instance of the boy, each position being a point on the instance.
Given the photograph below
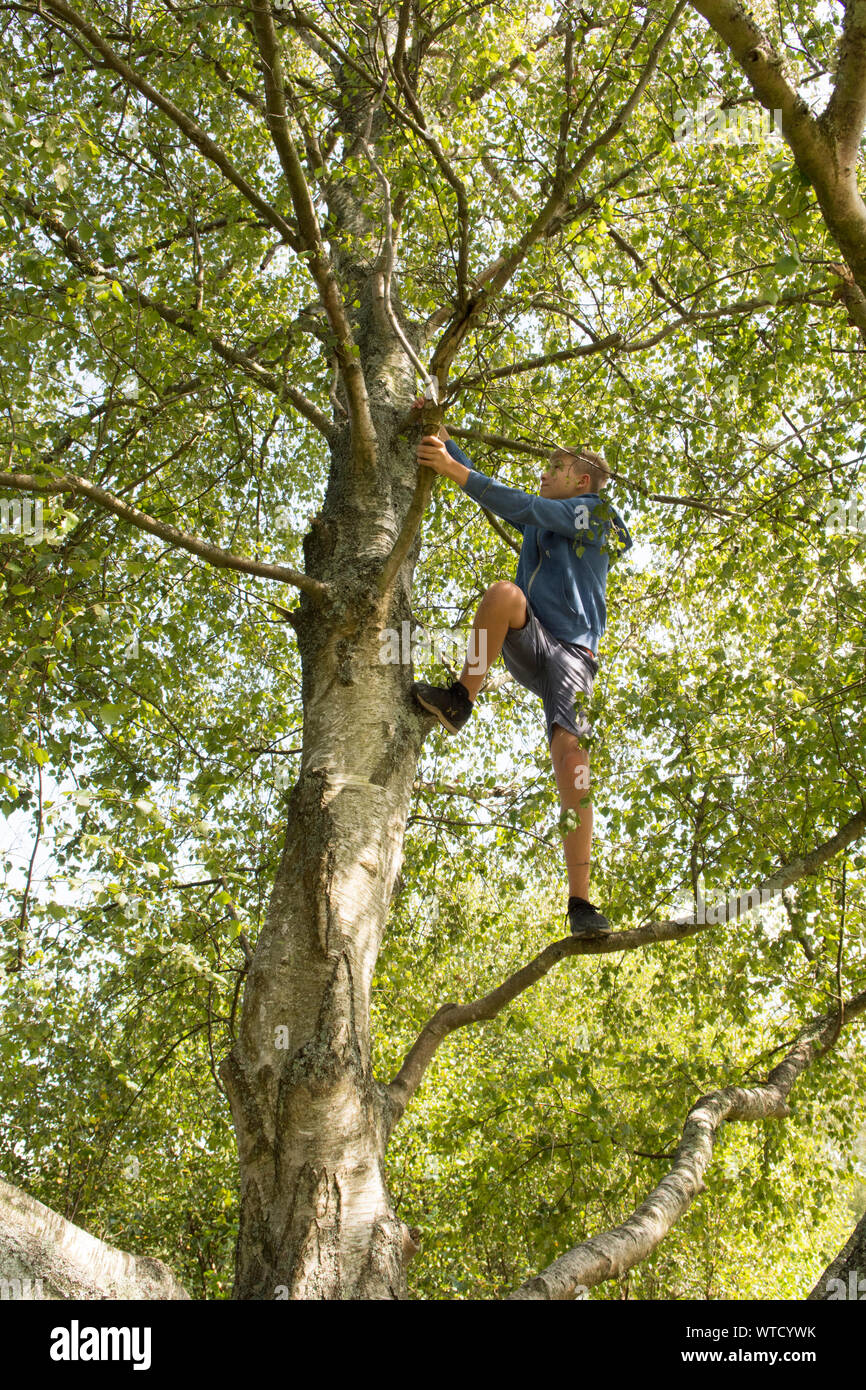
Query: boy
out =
(547, 624)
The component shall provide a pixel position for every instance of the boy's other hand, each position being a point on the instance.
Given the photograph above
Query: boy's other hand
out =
(418, 405)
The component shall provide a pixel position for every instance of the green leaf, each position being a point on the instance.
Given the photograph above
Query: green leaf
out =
(111, 714)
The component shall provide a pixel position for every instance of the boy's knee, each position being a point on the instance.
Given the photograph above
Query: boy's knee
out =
(507, 596)
(503, 591)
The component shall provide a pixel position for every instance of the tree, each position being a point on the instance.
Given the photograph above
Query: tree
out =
(249, 228)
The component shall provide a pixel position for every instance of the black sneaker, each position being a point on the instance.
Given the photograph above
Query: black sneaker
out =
(451, 706)
(586, 920)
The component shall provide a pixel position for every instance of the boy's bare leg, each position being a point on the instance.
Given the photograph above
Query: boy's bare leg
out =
(502, 607)
(571, 768)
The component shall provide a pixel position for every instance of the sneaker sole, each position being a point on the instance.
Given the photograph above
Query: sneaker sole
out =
(431, 709)
(591, 931)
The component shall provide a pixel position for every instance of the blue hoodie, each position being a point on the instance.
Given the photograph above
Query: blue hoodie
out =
(566, 552)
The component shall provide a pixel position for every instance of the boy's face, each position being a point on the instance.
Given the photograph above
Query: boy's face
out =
(562, 477)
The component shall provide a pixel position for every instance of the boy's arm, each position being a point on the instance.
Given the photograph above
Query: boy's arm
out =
(589, 519)
(457, 453)
(568, 516)
(457, 466)
(528, 509)
(520, 508)
(433, 453)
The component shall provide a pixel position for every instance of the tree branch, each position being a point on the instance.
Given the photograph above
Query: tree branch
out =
(845, 112)
(213, 554)
(745, 306)
(530, 364)
(318, 260)
(617, 340)
(451, 1016)
(498, 274)
(419, 125)
(762, 64)
(849, 293)
(825, 148)
(472, 793)
(613, 1252)
(500, 530)
(39, 1247)
(411, 521)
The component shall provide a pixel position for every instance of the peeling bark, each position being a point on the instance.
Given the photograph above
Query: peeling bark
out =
(316, 1218)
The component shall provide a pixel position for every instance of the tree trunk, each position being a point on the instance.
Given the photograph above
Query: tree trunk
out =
(43, 1256)
(316, 1220)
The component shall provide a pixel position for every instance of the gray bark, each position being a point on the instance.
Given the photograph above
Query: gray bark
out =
(43, 1257)
(845, 1278)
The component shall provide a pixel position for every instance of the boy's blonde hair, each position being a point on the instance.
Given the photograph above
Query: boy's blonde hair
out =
(593, 463)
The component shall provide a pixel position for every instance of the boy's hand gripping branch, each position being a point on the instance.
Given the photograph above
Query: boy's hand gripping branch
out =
(433, 454)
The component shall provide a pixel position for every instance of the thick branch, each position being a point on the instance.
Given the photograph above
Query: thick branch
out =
(845, 113)
(213, 554)
(825, 148)
(761, 63)
(412, 520)
(44, 1256)
(613, 1252)
(451, 1016)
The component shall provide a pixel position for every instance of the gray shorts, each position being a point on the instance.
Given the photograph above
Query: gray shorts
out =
(560, 672)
